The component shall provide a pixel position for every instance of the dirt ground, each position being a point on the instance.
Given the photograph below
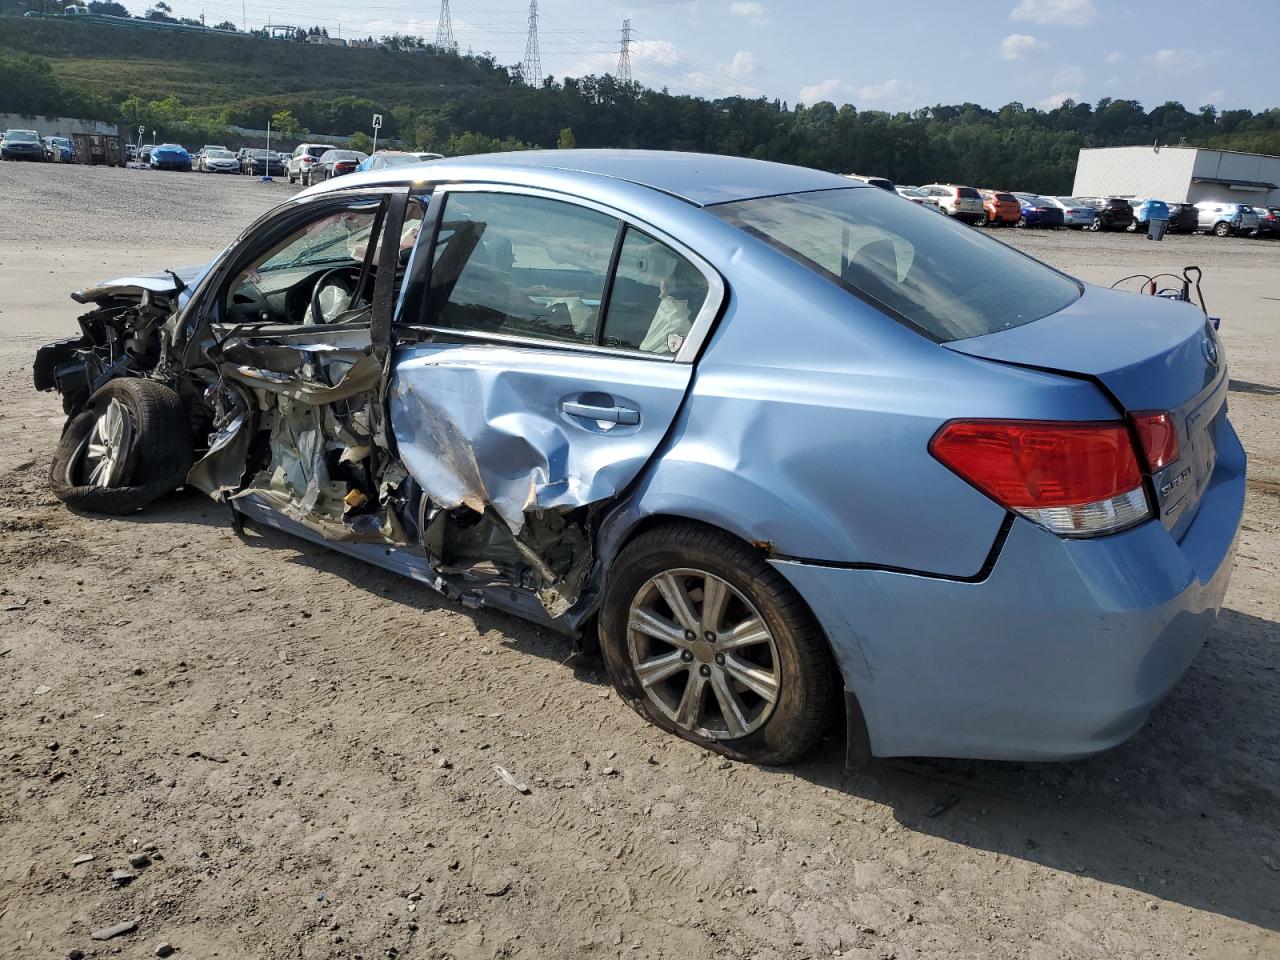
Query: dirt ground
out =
(304, 747)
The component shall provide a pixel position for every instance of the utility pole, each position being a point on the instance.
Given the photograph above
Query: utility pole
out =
(444, 30)
(624, 55)
(531, 68)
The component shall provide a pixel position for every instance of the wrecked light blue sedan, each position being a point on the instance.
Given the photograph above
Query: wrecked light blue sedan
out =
(780, 441)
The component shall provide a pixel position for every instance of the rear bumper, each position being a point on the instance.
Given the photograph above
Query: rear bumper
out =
(1061, 651)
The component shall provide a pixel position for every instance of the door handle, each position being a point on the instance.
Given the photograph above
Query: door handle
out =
(623, 416)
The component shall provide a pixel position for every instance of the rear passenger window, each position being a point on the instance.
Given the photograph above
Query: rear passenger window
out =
(520, 265)
(656, 296)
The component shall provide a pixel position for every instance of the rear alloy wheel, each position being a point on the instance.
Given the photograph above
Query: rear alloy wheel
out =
(1221, 229)
(1022, 222)
(1095, 226)
(706, 640)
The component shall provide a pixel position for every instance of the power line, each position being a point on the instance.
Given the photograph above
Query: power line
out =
(531, 68)
(444, 30)
(624, 55)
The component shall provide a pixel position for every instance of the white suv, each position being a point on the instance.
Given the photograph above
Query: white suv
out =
(1224, 219)
(963, 203)
(304, 157)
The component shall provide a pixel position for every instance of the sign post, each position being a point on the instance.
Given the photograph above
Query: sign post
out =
(377, 125)
(266, 161)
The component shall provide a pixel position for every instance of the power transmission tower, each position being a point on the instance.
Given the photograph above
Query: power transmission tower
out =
(531, 68)
(624, 55)
(444, 30)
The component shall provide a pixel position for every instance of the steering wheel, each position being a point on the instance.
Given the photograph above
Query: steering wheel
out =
(331, 296)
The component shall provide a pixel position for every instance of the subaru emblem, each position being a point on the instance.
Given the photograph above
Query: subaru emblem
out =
(1210, 346)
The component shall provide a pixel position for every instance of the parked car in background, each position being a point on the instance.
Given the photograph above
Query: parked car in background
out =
(305, 156)
(426, 155)
(918, 196)
(59, 150)
(1226, 219)
(1183, 217)
(21, 145)
(384, 159)
(1144, 211)
(1268, 221)
(882, 182)
(962, 203)
(1110, 213)
(1018, 562)
(197, 159)
(1002, 208)
(261, 163)
(333, 163)
(144, 153)
(1075, 212)
(218, 160)
(170, 156)
(1037, 211)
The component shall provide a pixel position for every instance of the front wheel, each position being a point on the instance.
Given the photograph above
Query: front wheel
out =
(707, 641)
(1221, 229)
(131, 445)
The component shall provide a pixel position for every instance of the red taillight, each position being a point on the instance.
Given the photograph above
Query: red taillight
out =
(1074, 478)
(1158, 438)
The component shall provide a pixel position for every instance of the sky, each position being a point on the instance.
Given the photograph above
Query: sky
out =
(884, 54)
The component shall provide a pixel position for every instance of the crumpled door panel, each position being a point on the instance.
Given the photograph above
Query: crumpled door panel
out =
(516, 430)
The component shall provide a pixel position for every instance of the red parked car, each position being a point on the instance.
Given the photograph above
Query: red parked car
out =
(1002, 208)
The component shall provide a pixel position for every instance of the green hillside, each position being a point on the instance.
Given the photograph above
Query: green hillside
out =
(190, 84)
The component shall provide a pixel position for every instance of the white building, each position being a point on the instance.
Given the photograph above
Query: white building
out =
(1178, 174)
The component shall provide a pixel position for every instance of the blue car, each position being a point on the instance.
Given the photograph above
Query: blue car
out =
(772, 438)
(1039, 211)
(21, 145)
(1144, 211)
(59, 150)
(170, 156)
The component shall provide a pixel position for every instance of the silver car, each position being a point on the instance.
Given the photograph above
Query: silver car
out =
(1226, 219)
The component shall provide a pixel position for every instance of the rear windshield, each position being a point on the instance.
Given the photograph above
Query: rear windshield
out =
(945, 279)
(968, 193)
(317, 151)
(347, 155)
(1006, 198)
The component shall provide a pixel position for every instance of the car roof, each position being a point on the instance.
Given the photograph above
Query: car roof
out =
(697, 178)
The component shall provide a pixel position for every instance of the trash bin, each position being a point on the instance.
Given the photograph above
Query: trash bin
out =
(1156, 228)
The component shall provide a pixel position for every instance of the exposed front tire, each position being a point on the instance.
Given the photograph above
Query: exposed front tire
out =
(1221, 229)
(131, 445)
(707, 641)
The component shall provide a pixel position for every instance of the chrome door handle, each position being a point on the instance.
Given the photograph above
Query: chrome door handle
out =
(623, 416)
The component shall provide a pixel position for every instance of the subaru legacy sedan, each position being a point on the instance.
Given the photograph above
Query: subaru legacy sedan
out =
(769, 436)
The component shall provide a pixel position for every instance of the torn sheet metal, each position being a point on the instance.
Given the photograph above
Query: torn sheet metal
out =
(485, 427)
(134, 286)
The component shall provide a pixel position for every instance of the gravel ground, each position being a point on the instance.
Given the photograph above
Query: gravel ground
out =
(303, 747)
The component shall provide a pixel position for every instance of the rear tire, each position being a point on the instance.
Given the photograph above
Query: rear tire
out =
(763, 632)
(1221, 229)
(145, 458)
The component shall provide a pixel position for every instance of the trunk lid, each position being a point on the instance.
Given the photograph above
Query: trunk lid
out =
(1150, 354)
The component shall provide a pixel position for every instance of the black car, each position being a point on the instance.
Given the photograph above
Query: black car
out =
(1183, 217)
(21, 145)
(1112, 213)
(261, 162)
(333, 163)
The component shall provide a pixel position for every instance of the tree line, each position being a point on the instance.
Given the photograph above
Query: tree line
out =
(452, 103)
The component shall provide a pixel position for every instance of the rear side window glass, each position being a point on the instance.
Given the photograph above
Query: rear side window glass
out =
(656, 296)
(968, 193)
(526, 266)
(945, 279)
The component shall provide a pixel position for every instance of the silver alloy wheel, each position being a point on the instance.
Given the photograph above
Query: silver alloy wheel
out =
(106, 452)
(703, 654)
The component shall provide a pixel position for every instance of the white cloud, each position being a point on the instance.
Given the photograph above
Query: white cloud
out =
(743, 64)
(1055, 100)
(825, 90)
(1214, 96)
(1017, 45)
(1176, 60)
(1062, 13)
(891, 94)
(1068, 76)
(888, 94)
(1115, 56)
(755, 12)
